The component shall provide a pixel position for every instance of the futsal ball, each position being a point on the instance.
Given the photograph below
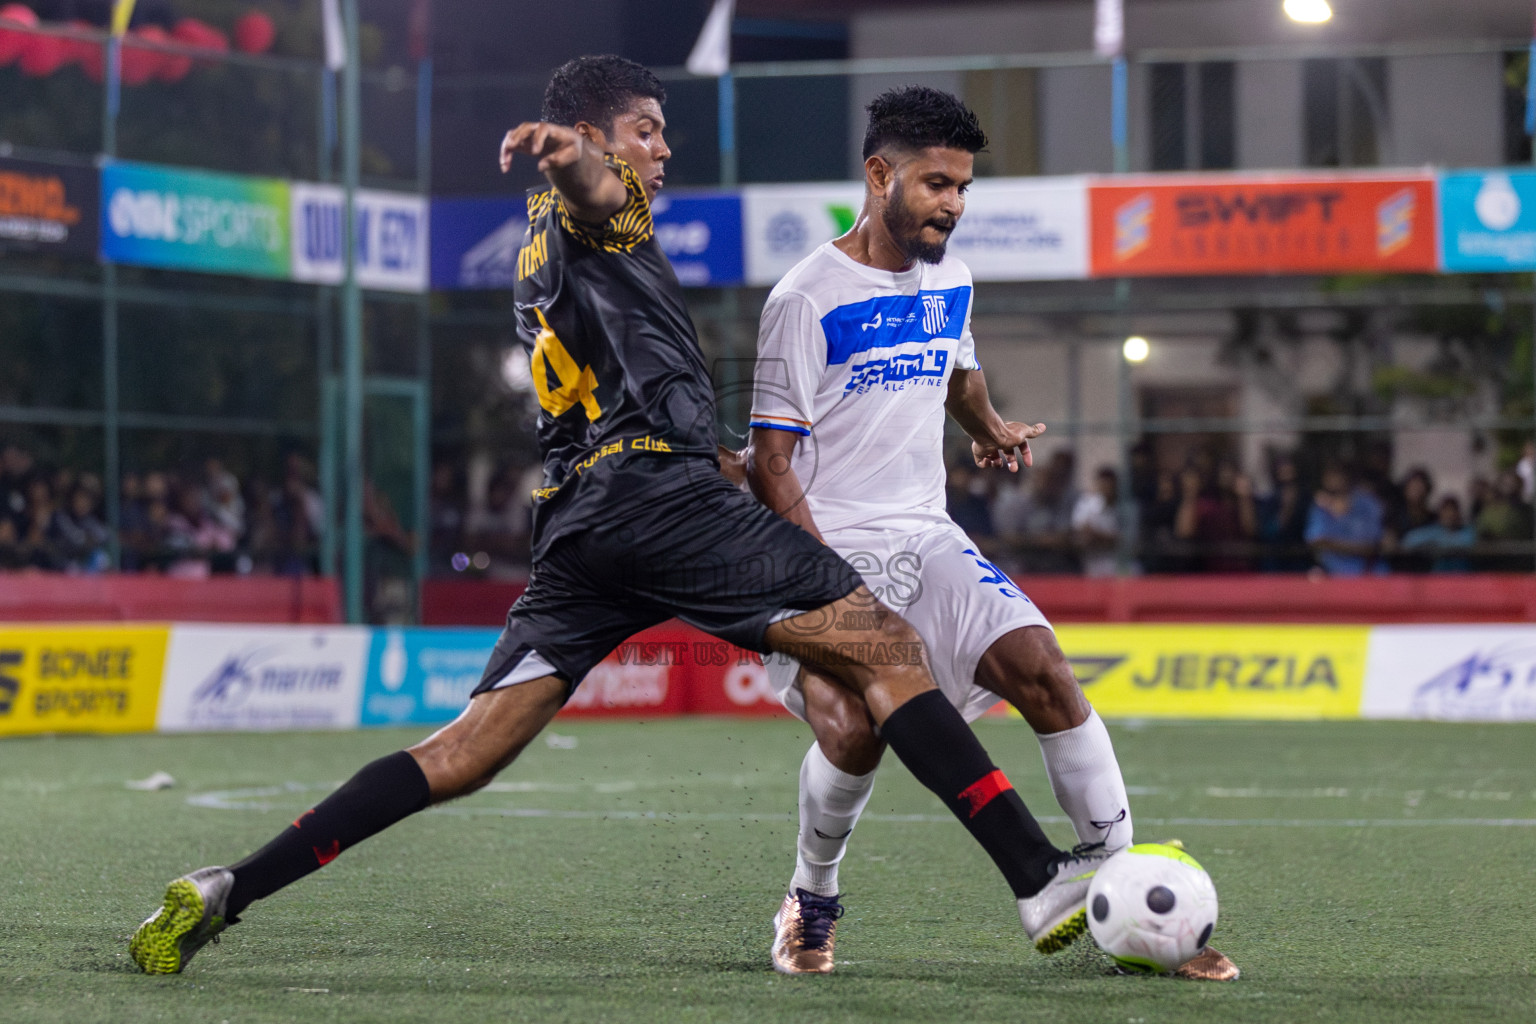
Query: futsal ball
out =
(1151, 908)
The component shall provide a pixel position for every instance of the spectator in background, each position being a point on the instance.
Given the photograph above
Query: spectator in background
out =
(968, 499)
(496, 533)
(446, 512)
(1526, 470)
(78, 535)
(224, 503)
(1282, 519)
(1480, 492)
(1446, 542)
(1217, 516)
(1504, 524)
(10, 545)
(132, 522)
(1036, 524)
(36, 538)
(1410, 507)
(1344, 525)
(1097, 525)
(15, 474)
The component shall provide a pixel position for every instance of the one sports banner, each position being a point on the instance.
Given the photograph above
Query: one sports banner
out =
(80, 678)
(392, 237)
(475, 240)
(1219, 671)
(1488, 220)
(194, 220)
(1234, 224)
(48, 208)
(423, 676)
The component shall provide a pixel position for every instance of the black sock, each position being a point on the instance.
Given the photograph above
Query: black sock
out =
(936, 745)
(379, 795)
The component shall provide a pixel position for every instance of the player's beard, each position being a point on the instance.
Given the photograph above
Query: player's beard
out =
(907, 231)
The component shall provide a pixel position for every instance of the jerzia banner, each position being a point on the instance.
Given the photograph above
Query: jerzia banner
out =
(48, 208)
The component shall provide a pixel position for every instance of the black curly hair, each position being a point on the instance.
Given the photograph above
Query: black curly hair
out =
(596, 89)
(916, 117)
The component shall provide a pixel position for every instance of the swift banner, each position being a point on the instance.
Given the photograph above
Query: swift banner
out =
(1488, 221)
(80, 679)
(1220, 224)
(194, 220)
(1219, 671)
(48, 208)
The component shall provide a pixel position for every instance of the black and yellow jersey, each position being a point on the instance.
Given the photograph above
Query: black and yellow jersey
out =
(616, 362)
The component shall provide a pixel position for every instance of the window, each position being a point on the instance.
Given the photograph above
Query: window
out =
(1192, 117)
(1344, 108)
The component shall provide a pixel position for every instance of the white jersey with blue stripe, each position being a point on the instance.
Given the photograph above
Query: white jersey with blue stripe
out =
(857, 361)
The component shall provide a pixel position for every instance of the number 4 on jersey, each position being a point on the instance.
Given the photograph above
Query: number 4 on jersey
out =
(575, 386)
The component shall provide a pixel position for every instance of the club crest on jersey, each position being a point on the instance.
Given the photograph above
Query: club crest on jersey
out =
(934, 317)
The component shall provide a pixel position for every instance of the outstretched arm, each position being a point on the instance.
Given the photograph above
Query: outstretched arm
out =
(573, 164)
(773, 479)
(993, 441)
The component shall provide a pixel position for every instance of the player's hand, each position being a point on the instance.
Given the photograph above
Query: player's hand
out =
(1009, 450)
(554, 145)
(733, 464)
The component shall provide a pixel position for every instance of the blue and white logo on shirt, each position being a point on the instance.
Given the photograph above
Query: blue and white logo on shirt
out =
(891, 340)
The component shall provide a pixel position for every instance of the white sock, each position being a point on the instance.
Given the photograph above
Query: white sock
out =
(1086, 780)
(830, 804)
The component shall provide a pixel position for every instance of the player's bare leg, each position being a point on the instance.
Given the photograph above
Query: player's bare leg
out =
(454, 761)
(885, 664)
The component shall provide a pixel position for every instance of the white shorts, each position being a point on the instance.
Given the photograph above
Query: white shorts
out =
(936, 579)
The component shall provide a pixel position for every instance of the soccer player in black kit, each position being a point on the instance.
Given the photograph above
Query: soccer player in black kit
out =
(635, 524)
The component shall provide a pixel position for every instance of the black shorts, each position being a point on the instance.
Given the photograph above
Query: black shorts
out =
(702, 551)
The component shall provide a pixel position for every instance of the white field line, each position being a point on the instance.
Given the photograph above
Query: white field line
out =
(925, 819)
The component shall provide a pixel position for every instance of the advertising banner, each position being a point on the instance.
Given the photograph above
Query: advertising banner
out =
(1488, 220)
(475, 241)
(48, 208)
(263, 677)
(1029, 229)
(80, 679)
(1227, 224)
(783, 224)
(423, 675)
(194, 220)
(1207, 671)
(1452, 673)
(701, 235)
(392, 235)
(646, 676)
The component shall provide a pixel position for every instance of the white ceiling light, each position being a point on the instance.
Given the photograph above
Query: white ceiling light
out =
(1136, 349)
(1308, 12)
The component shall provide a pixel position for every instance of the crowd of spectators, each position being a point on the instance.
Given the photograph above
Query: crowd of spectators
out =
(190, 523)
(1206, 517)
(1209, 517)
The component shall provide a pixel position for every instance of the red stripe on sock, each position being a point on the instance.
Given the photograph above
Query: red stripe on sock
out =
(984, 790)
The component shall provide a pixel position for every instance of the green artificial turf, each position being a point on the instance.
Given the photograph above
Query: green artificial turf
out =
(1367, 872)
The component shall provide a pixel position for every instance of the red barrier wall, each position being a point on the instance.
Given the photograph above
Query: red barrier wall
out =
(27, 597)
(1258, 598)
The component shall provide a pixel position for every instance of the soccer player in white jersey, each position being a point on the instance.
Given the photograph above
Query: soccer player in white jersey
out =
(863, 347)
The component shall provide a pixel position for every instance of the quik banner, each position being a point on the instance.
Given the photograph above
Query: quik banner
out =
(194, 220)
(1228, 224)
(48, 208)
(392, 237)
(80, 679)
